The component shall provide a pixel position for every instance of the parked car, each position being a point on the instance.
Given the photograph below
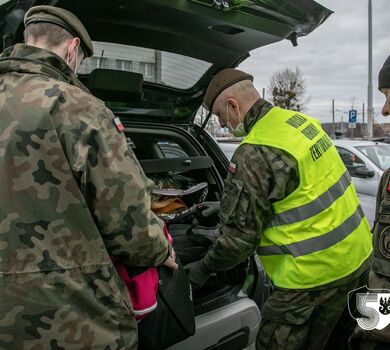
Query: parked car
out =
(384, 139)
(366, 161)
(228, 148)
(368, 204)
(153, 62)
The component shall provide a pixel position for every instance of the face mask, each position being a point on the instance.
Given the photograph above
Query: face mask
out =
(76, 67)
(239, 130)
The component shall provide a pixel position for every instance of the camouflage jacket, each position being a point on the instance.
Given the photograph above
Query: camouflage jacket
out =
(379, 280)
(261, 176)
(381, 232)
(72, 193)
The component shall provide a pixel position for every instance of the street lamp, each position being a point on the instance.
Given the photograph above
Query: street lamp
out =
(370, 109)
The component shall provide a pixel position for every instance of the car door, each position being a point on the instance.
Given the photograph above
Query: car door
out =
(364, 176)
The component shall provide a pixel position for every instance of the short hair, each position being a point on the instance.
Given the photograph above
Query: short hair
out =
(242, 89)
(53, 35)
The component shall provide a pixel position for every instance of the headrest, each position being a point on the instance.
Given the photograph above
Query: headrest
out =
(115, 85)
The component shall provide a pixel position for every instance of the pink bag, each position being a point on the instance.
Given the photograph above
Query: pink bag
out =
(142, 287)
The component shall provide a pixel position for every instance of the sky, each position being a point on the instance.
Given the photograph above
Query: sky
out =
(333, 59)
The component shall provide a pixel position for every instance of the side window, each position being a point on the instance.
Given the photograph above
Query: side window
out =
(351, 160)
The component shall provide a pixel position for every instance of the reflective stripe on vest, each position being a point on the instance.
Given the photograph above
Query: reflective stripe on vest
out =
(317, 226)
(310, 209)
(316, 244)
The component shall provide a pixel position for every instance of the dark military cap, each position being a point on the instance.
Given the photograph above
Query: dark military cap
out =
(221, 81)
(64, 19)
(384, 75)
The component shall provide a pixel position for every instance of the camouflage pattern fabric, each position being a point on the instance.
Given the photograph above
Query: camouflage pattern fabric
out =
(72, 193)
(312, 319)
(263, 175)
(380, 271)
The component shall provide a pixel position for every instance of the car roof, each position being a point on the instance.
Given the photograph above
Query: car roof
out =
(354, 143)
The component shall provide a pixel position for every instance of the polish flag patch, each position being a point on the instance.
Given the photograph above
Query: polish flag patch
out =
(232, 168)
(118, 124)
(388, 186)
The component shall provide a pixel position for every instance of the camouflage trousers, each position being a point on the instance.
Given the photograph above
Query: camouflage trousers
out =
(374, 339)
(311, 319)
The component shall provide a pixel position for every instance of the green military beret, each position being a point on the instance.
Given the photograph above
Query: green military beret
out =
(64, 19)
(221, 81)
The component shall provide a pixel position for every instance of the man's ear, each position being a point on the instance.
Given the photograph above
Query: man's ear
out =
(72, 48)
(232, 102)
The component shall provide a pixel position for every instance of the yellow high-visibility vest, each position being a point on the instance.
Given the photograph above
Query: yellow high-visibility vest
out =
(318, 233)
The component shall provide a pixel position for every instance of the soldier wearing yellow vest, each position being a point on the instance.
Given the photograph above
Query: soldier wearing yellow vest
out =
(289, 198)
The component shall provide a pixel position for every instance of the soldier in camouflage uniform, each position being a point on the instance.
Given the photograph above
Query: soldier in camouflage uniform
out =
(380, 272)
(72, 194)
(258, 177)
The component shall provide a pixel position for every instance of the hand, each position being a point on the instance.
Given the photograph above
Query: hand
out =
(171, 261)
(197, 274)
(208, 208)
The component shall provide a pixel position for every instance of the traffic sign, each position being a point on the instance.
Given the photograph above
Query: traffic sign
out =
(352, 114)
(352, 125)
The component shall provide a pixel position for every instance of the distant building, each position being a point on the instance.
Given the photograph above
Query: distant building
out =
(360, 131)
(342, 129)
(156, 66)
(385, 128)
(125, 57)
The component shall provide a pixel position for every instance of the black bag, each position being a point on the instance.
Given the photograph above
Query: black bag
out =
(174, 319)
(191, 242)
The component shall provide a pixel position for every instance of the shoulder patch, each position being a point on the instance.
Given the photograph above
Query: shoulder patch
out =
(384, 242)
(232, 168)
(118, 124)
(388, 186)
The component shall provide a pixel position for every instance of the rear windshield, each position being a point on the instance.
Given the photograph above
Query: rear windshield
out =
(160, 67)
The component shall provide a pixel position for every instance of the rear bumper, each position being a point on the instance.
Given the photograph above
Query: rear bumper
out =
(230, 326)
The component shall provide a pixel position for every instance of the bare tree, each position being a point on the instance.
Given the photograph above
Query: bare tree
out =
(212, 126)
(288, 89)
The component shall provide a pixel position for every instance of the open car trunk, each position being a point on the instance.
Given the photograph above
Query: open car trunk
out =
(184, 177)
(179, 165)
